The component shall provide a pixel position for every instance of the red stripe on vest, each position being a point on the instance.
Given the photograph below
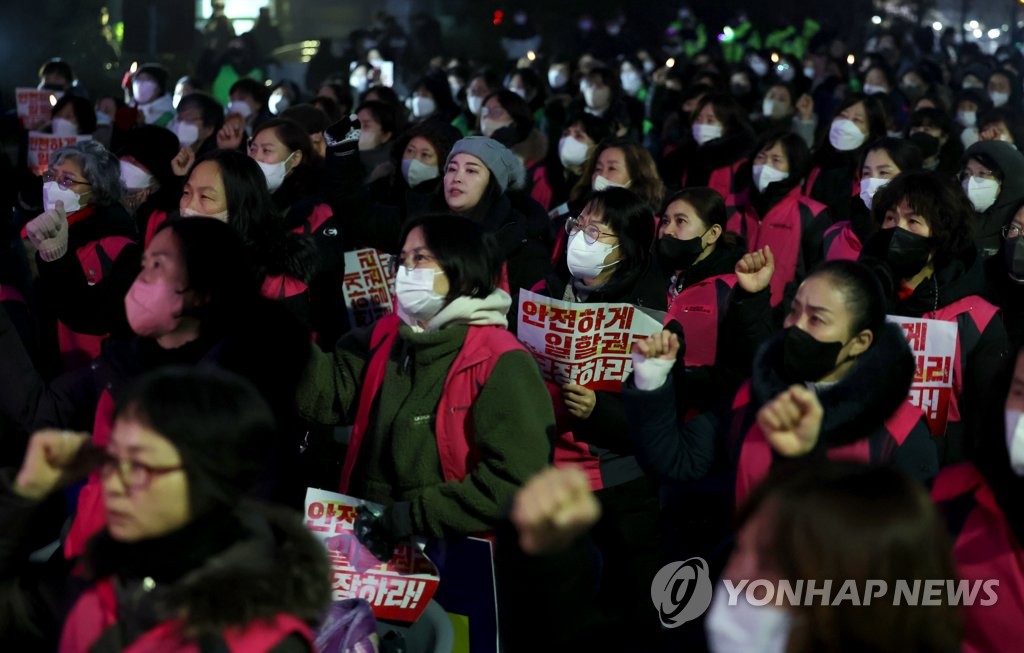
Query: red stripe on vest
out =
(10, 294)
(454, 431)
(986, 549)
(841, 243)
(568, 451)
(93, 257)
(282, 286)
(321, 214)
(697, 311)
(156, 219)
(90, 513)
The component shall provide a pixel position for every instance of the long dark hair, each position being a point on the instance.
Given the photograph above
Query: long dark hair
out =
(252, 213)
(823, 150)
(632, 220)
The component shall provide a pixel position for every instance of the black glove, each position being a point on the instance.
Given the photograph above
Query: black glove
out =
(372, 531)
(342, 137)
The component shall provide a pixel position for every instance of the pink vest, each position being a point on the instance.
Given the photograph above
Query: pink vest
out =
(981, 313)
(986, 549)
(756, 453)
(96, 610)
(696, 309)
(841, 243)
(467, 376)
(720, 179)
(781, 229)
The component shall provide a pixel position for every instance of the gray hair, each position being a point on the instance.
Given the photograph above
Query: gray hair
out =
(99, 167)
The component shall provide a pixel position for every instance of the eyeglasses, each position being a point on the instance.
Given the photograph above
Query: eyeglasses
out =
(967, 174)
(1011, 231)
(590, 232)
(65, 181)
(134, 475)
(415, 260)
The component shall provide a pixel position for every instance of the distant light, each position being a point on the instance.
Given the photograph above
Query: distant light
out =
(994, 33)
(499, 16)
(727, 34)
(876, 20)
(268, 83)
(850, 59)
(977, 33)
(937, 26)
(53, 100)
(531, 55)
(670, 62)
(775, 57)
(1005, 27)
(972, 25)
(133, 67)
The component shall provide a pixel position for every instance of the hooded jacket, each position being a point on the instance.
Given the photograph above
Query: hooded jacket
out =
(399, 459)
(1010, 164)
(865, 415)
(713, 164)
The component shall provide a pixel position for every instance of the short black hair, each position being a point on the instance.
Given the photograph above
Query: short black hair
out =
(861, 291)
(930, 117)
(385, 114)
(312, 119)
(464, 251)
(85, 112)
(256, 90)
(632, 219)
(903, 153)
(57, 66)
(211, 110)
(937, 199)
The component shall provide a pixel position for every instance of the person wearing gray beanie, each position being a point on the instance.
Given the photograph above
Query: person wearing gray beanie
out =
(504, 166)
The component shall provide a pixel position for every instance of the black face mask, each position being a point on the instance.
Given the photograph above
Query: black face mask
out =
(905, 252)
(928, 144)
(806, 359)
(674, 254)
(1013, 255)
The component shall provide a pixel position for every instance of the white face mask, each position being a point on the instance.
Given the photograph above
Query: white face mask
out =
(357, 82)
(743, 628)
(368, 140)
(521, 92)
(768, 108)
(704, 133)
(602, 183)
(572, 151)
(597, 99)
(999, 98)
(870, 186)
(809, 72)
(969, 136)
(982, 192)
(417, 300)
(63, 127)
(52, 193)
(488, 125)
(416, 172)
(189, 212)
(135, 178)
(275, 172)
(278, 103)
(1015, 440)
(474, 103)
(631, 82)
(144, 91)
(187, 133)
(845, 135)
(423, 106)
(586, 261)
(967, 118)
(557, 78)
(871, 89)
(765, 174)
(240, 107)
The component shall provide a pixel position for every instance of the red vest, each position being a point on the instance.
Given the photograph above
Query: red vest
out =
(756, 453)
(90, 513)
(697, 310)
(467, 376)
(986, 549)
(720, 179)
(978, 311)
(96, 610)
(781, 229)
(156, 218)
(840, 243)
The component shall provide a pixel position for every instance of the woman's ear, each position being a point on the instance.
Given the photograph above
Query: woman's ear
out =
(296, 159)
(713, 234)
(861, 343)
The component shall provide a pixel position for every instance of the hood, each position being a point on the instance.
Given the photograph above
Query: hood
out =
(489, 311)
(860, 402)
(1010, 162)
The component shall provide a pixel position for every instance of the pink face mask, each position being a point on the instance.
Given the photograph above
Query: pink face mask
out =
(153, 308)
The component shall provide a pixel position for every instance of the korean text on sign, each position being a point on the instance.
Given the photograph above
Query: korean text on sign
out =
(34, 105)
(934, 345)
(369, 286)
(588, 344)
(42, 146)
(398, 590)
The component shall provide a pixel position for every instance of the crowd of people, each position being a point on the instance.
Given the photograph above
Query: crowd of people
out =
(178, 363)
